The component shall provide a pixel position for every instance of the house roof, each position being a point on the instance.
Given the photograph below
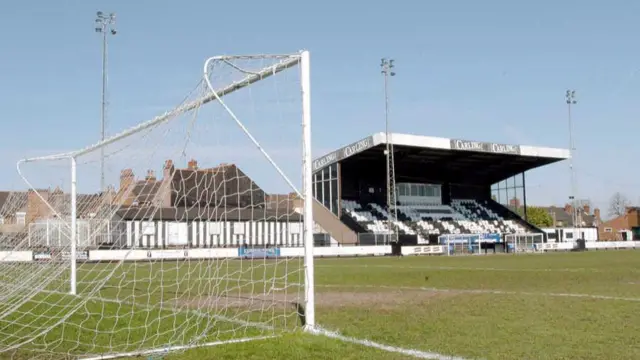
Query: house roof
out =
(560, 214)
(223, 192)
(12, 202)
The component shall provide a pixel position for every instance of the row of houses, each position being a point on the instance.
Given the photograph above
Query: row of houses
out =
(190, 207)
(589, 223)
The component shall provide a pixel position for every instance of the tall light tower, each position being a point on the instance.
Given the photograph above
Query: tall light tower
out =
(387, 67)
(105, 25)
(570, 97)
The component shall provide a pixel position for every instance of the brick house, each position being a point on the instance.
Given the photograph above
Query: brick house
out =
(614, 229)
(563, 216)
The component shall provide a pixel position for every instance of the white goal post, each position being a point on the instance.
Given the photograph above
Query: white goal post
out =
(523, 242)
(228, 169)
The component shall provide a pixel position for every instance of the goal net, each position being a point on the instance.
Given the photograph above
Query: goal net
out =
(187, 230)
(523, 243)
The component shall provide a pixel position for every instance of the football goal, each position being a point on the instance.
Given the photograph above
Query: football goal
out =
(523, 243)
(169, 235)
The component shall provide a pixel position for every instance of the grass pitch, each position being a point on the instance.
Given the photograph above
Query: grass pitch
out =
(544, 306)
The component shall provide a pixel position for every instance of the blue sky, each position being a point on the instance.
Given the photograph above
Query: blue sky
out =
(494, 70)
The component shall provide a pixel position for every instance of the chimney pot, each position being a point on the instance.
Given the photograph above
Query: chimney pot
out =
(193, 164)
(167, 172)
(151, 176)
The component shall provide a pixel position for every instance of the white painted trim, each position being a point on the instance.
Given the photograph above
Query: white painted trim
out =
(431, 142)
(394, 349)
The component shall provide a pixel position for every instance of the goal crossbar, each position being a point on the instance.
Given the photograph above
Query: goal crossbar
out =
(288, 62)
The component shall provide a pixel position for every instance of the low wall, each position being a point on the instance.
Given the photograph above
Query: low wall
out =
(230, 253)
(590, 245)
(219, 253)
(16, 256)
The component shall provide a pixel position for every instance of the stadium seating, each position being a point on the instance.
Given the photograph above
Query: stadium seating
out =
(373, 217)
(462, 216)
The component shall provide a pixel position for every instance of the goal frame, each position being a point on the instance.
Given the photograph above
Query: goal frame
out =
(302, 61)
(529, 247)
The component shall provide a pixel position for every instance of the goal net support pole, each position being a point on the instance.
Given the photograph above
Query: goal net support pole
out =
(74, 227)
(307, 172)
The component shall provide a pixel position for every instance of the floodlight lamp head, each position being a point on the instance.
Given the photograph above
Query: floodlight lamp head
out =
(98, 29)
(99, 14)
(113, 31)
(392, 74)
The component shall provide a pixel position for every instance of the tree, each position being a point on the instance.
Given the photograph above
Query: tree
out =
(618, 204)
(537, 216)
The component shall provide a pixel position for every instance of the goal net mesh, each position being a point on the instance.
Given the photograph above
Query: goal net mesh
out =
(180, 224)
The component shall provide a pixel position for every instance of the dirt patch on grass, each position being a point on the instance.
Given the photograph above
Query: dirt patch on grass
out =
(327, 299)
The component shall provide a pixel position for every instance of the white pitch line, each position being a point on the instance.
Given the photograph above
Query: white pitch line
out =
(394, 349)
(458, 268)
(485, 291)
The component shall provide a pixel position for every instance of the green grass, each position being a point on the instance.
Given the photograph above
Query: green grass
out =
(551, 306)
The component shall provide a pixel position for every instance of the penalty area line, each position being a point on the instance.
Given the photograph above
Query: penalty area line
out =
(484, 291)
(372, 344)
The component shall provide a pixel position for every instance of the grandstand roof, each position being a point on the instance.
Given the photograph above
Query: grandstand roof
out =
(488, 162)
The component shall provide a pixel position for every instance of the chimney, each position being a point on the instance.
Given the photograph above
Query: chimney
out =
(567, 208)
(168, 169)
(126, 179)
(587, 209)
(109, 195)
(192, 165)
(515, 202)
(151, 176)
(36, 208)
(596, 213)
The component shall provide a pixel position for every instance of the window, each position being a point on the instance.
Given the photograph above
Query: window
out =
(569, 235)
(429, 191)
(20, 218)
(325, 173)
(326, 194)
(333, 171)
(608, 230)
(334, 196)
(318, 192)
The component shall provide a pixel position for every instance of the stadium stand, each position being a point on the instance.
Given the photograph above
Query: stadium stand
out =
(442, 186)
